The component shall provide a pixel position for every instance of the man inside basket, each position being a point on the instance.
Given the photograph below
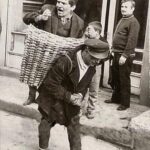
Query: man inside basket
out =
(64, 88)
(59, 20)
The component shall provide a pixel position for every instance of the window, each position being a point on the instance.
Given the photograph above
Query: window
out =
(32, 5)
(89, 10)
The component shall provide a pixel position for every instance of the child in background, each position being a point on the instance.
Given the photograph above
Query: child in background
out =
(93, 31)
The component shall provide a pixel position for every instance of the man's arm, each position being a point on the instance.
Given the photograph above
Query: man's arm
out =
(41, 15)
(30, 17)
(132, 38)
(55, 77)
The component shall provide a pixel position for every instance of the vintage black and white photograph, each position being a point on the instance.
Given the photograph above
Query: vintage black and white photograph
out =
(74, 75)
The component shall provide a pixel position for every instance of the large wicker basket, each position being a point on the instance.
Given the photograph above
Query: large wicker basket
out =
(41, 49)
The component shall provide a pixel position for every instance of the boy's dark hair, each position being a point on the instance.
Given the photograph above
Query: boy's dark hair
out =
(52, 2)
(97, 25)
(73, 2)
(132, 2)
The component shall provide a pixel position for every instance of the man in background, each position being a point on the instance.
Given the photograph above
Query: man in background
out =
(123, 52)
(59, 20)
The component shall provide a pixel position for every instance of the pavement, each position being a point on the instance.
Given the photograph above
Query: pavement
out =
(20, 133)
(109, 124)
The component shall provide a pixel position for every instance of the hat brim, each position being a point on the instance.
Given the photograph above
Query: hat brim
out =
(102, 55)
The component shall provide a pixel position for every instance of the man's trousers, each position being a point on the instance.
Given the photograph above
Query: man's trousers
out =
(73, 130)
(121, 80)
(93, 90)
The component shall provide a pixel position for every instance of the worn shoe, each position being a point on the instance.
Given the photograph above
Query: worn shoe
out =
(90, 115)
(43, 149)
(108, 101)
(122, 107)
(30, 100)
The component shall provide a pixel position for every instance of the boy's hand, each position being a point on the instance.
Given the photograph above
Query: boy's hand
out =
(85, 35)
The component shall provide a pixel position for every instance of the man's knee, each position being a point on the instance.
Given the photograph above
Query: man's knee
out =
(44, 133)
(44, 125)
(74, 134)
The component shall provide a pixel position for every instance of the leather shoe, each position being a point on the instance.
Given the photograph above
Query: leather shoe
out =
(43, 149)
(29, 101)
(90, 115)
(108, 101)
(121, 107)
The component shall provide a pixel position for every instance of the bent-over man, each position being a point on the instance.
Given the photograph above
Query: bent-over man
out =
(64, 88)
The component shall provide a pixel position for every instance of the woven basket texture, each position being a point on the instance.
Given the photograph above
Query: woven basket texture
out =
(41, 50)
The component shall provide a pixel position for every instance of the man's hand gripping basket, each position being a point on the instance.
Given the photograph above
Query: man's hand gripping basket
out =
(41, 50)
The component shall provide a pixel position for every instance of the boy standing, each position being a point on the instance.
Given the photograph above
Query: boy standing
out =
(93, 31)
(123, 51)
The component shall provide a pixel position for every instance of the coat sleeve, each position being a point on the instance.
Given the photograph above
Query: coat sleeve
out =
(30, 17)
(54, 78)
(132, 38)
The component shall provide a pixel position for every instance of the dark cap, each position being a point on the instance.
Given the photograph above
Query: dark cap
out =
(97, 48)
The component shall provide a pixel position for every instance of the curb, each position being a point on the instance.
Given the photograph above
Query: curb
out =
(119, 137)
(27, 111)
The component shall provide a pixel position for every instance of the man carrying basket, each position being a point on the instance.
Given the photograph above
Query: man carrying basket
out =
(64, 88)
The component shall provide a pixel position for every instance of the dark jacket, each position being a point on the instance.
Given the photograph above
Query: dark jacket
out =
(51, 24)
(55, 92)
(126, 36)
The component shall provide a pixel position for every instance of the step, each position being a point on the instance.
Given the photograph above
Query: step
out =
(22, 134)
(106, 125)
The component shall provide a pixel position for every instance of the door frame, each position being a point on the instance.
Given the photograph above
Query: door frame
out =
(4, 5)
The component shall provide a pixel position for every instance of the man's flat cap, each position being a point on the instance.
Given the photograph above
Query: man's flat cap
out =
(97, 48)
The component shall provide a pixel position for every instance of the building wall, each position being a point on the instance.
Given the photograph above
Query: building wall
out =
(145, 80)
(3, 14)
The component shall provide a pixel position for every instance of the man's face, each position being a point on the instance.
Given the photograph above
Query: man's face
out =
(127, 9)
(64, 8)
(91, 33)
(90, 60)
